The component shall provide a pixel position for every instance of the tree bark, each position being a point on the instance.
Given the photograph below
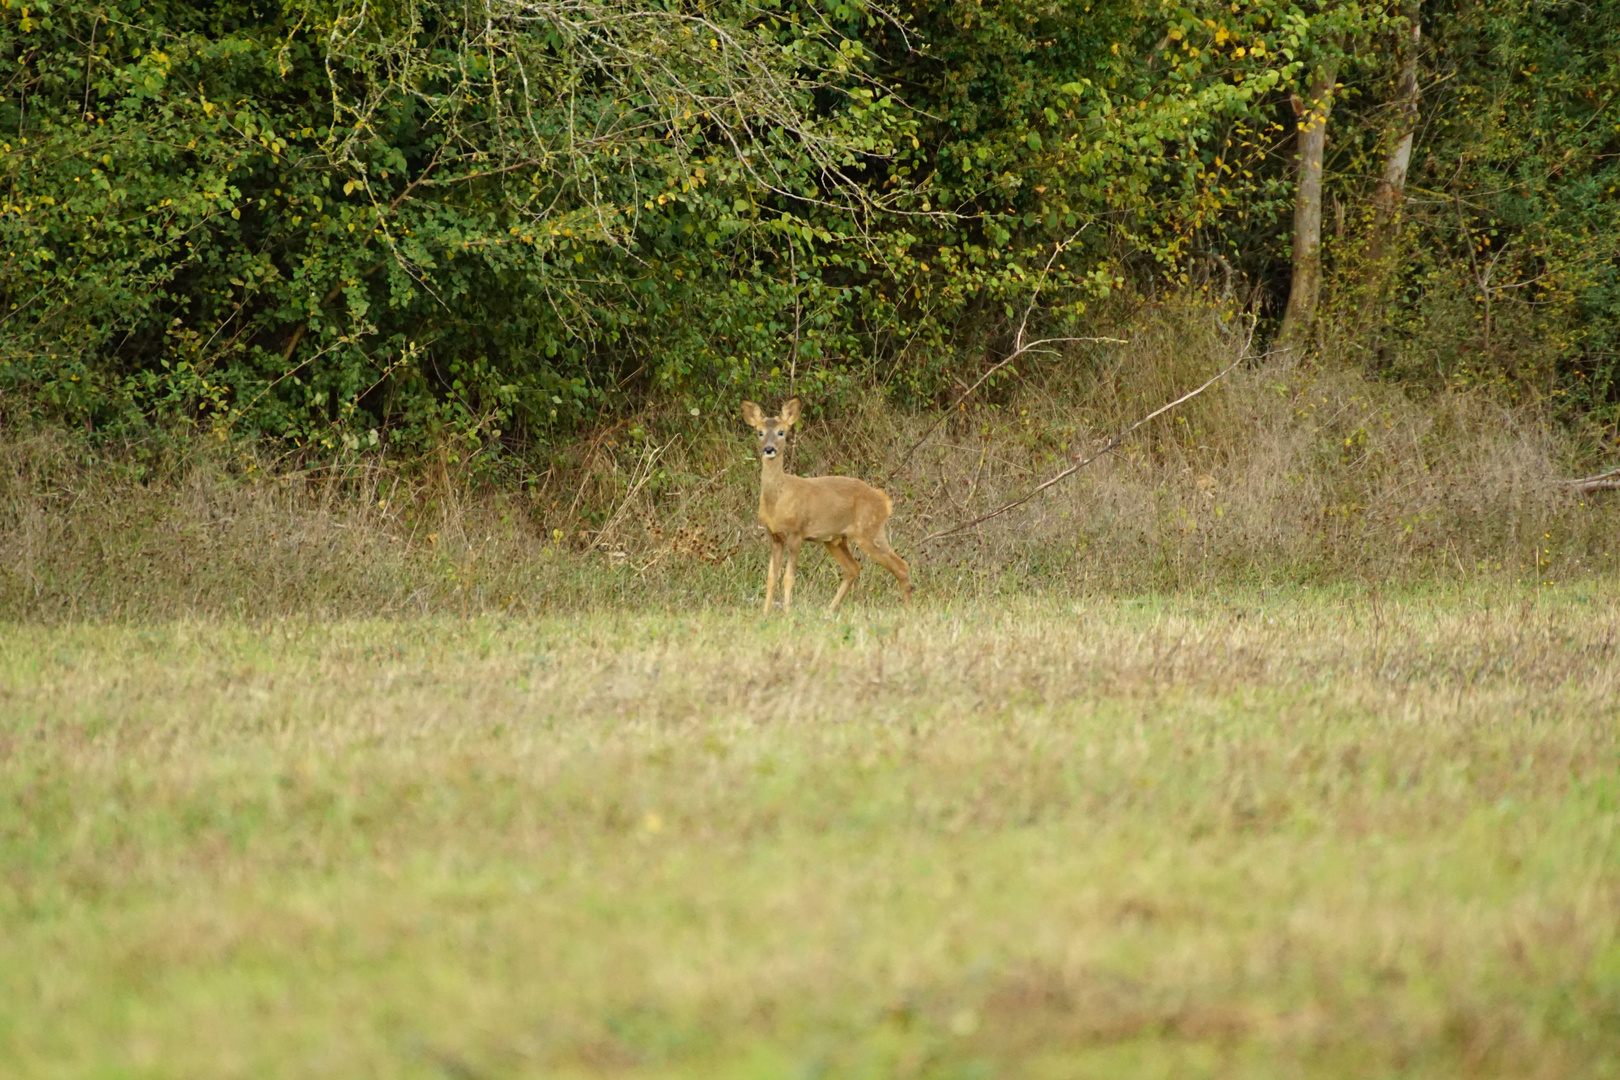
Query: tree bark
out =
(1387, 198)
(1311, 139)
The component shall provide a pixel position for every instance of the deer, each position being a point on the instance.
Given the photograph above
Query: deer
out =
(831, 510)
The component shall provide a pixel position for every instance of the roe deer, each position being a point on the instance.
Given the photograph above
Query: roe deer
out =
(831, 510)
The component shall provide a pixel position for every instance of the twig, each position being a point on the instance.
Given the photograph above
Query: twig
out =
(1020, 347)
(1112, 443)
(89, 65)
(589, 460)
(648, 460)
(793, 272)
(298, 332)
(992, 457)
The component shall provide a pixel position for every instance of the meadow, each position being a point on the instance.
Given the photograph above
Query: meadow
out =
(1282, 742)
(384, 691)
(1299, 831)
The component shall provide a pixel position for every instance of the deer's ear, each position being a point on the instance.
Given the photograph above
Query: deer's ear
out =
(790, 411)
(752, 416)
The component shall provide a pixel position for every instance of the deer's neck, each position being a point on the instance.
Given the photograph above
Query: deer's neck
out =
(771, 482)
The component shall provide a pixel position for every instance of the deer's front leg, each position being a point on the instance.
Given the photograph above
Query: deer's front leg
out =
(793, 543)
(772, 570)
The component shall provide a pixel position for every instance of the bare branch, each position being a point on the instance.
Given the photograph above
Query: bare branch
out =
(1020, 347)
(1604, 481)
(1109, 448)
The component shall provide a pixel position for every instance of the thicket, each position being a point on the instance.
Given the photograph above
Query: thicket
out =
(467, 227)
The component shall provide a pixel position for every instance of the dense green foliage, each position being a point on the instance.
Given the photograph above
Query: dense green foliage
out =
(312, 221)
(320, 221)
(1515, 203)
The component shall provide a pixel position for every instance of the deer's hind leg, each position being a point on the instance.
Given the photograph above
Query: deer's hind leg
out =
(880, 551)
(839, 549)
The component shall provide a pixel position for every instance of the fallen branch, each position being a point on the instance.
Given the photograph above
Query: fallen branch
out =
(1112, 444)
(1605, 481)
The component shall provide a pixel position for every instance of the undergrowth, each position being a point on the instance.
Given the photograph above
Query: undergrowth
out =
(1312, 474)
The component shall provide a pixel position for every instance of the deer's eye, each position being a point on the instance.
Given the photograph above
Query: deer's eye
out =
(781, 432)
(762, 433)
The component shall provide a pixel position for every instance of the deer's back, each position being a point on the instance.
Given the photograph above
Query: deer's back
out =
(824, 507)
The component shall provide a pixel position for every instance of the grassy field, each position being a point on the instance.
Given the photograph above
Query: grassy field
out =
(1234, 834)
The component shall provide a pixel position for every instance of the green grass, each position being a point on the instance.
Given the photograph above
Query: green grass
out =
(1237, 834)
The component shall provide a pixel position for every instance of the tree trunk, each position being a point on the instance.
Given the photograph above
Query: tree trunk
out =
(1387, 199)
(1307, 282)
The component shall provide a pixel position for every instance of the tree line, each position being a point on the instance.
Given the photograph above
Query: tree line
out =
(339, 223)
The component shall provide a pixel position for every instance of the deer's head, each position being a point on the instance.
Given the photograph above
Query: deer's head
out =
(772, 430)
